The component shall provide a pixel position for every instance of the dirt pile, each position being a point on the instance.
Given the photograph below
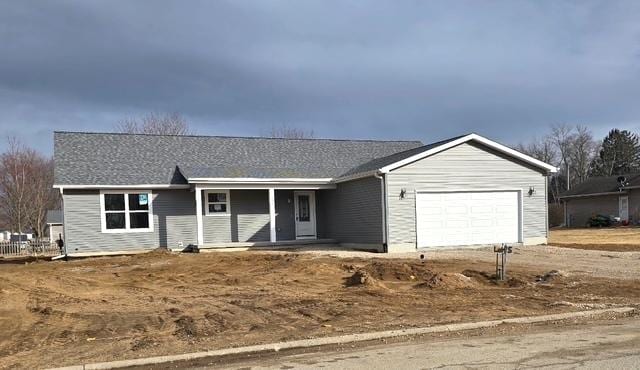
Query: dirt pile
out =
(551, 276)
(448, 281)
(363, 278)
(390, 270)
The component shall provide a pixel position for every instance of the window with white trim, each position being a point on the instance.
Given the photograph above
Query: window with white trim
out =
(217, 203)
(126, 211)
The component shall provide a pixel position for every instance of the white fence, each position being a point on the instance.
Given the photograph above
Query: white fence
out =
(29, 248)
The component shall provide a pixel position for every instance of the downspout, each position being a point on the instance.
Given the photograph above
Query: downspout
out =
(383, 204)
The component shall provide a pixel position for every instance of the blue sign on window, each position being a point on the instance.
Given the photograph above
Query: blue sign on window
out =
(143, 199)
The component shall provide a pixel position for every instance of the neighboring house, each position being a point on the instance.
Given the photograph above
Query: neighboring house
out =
(55, 227)
(8, 236)
(617, 196)
(124, 192)
(5, 235)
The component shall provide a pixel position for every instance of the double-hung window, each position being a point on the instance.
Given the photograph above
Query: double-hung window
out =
(126, 211)
(217, 203)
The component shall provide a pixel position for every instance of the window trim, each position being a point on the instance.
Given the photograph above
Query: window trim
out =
(127, 221)
(206, 203)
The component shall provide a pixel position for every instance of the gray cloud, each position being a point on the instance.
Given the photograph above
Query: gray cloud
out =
(377, 69)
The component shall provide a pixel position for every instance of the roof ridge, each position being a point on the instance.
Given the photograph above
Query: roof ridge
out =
(238, 137)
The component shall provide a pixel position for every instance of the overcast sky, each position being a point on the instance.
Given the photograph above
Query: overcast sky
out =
(346, 69)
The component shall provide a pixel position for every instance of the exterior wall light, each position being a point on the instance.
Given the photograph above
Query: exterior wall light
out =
(403, 193)
(532, 190)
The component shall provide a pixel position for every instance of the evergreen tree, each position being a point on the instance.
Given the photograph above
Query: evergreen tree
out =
(619, 154)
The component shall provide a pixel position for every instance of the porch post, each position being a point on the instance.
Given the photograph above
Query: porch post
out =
(272, 214)
(199, 216)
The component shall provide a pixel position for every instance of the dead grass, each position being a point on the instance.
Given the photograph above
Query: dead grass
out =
(102, 309)
(619, 239)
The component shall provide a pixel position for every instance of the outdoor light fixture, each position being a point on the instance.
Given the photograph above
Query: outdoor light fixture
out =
(532, 190)
(403, 192)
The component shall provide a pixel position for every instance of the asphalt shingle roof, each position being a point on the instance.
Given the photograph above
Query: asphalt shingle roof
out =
(378, 163)
(128, 159)
(606, 184)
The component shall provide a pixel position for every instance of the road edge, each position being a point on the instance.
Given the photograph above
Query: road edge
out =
(342, 339)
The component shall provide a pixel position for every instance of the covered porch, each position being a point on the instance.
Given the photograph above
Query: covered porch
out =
(260, 215)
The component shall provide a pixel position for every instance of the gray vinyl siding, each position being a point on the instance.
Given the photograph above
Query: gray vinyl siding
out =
(580, 210)
(352, 213)
(248, 220)
(174, 221)
(468, 166)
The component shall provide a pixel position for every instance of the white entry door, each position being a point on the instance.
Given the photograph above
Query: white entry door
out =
(305, 212)
(623, 204)
(467, 218)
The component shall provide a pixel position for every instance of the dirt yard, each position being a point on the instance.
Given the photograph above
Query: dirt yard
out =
(619, 239)
(110, 308)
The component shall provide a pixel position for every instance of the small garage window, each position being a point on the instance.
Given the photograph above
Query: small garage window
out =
(217, 203)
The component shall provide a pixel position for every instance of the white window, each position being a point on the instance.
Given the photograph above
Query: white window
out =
(123, 211)
(217, 203)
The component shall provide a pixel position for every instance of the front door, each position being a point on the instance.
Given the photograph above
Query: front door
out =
(305, 209)
(623, 201)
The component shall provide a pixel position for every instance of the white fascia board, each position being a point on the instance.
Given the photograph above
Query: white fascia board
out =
(257, 180)
(475, 137)
(142, 186)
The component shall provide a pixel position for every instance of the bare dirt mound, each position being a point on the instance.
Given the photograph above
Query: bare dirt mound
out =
(551, 276)
(393, 271)
(363, 278)
(486, 278)
(448, 281)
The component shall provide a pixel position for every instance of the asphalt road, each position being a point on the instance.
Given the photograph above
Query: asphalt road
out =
(614, 345)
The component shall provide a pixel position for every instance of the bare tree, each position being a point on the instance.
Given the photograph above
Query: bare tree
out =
(582, 150)
(288, 132)
(562, 136)
(41, 193)
(154, 123)
(26, 188)
(14, 175)
(540, 149)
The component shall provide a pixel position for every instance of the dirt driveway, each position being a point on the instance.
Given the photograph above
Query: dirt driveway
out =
(110, 308)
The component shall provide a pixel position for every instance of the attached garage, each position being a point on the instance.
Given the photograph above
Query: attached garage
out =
(462, 192)
(467, 218)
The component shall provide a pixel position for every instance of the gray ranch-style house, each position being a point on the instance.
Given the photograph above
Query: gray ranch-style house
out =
(126, 192)
(617, 196)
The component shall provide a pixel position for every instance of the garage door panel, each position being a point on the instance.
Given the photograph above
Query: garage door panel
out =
(456, 223)
(453, 210)
(481, 209)
(466, 218)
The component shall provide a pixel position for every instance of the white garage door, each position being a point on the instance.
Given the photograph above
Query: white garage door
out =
(467, 218)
